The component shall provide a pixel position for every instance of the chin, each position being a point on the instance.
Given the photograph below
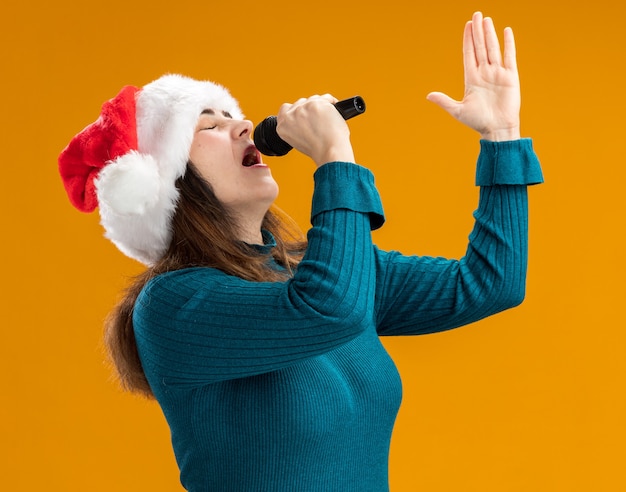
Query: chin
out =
(272, 190)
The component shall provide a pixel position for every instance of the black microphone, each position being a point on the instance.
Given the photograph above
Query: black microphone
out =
(268, 142)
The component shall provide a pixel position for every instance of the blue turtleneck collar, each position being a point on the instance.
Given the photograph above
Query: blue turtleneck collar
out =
(269, 242)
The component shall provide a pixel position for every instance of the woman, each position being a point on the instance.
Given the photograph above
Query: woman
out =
(264, 352)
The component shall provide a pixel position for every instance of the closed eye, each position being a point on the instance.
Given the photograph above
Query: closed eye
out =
(211, 120)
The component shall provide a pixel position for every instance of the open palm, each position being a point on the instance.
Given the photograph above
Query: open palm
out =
(491, 102)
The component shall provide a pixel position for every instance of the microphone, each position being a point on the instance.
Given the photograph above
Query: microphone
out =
(268, 142)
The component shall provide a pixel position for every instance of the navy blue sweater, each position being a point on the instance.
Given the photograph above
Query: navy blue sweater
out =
(285, 386)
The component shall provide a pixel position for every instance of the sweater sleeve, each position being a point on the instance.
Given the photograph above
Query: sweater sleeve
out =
(418, 295)
(199, 325)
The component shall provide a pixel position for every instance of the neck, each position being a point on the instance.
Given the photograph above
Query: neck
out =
(250, 229)
(252, 238)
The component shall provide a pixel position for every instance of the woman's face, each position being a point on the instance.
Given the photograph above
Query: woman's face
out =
(225, 156)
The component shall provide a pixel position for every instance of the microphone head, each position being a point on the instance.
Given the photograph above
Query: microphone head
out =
(267, 140)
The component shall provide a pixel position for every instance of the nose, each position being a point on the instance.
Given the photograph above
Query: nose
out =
(242, 129)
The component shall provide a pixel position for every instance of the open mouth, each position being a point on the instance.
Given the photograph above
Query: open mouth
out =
(251, 157)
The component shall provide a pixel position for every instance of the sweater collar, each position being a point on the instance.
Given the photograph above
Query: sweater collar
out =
(269, 242)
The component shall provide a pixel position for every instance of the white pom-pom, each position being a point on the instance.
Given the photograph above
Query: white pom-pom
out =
(130, 184)
(136, 205)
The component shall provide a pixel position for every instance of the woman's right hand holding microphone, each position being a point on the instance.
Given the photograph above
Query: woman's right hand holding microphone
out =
(314, 127)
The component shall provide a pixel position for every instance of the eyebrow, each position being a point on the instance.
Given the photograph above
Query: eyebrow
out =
(211, 112)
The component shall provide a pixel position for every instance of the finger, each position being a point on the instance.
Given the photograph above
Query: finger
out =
(510, 57)
(300, 101)
(444, 101)
(331, 98)
(320, 101)
(491, 41)
(284, 108)
(478, 35)
(297, 105)
(469, 55)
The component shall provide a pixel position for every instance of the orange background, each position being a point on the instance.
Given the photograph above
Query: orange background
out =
(529, 400)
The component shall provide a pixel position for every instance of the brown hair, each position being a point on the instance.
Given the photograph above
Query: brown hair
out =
(203, 234)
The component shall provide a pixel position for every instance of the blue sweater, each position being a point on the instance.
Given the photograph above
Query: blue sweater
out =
(285, 386)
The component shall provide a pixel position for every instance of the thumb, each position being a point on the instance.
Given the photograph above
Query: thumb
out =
(445, 102)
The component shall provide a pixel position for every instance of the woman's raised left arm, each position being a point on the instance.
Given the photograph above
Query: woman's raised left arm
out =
(418, 295)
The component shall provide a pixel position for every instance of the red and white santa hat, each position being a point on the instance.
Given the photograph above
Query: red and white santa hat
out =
(127, 162)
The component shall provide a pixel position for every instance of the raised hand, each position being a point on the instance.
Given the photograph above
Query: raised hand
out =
(491, 102)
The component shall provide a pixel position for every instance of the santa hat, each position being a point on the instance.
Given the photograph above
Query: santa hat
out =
(127, 162)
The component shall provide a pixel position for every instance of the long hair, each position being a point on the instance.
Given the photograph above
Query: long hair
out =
(203, 234)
